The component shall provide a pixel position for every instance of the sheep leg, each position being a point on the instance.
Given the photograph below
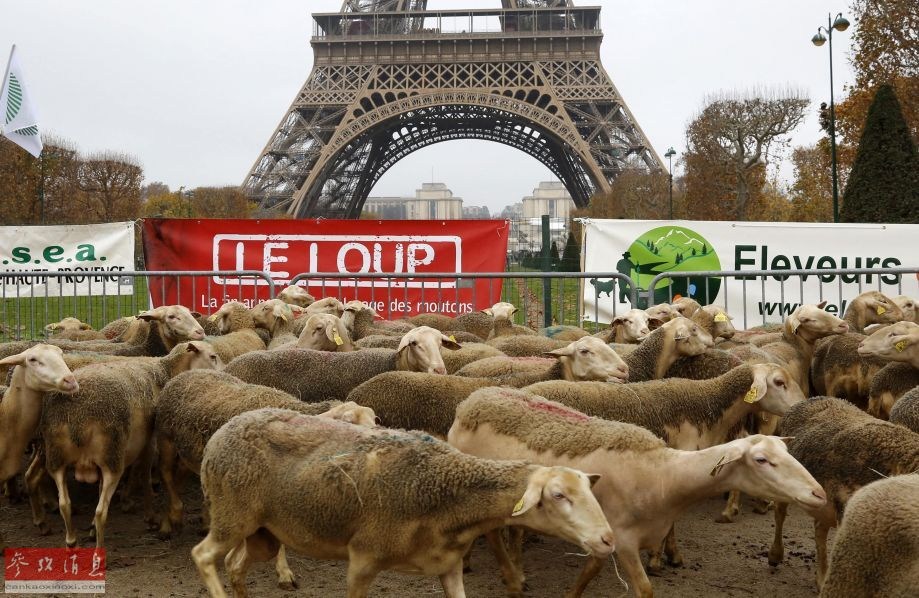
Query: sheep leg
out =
(110, 481)
(63, 501)
(260, 546)
(467, 560)
(452, 582)
(34, 476)
(172, 519)
(588, 573)
(362, 569)
(515, 542)
(731, 508)
(206, 554)
(671, 550)
(286, 578)
(760, 506)
(777, 552)
(821, 530)
(656, 559)
(513, 577)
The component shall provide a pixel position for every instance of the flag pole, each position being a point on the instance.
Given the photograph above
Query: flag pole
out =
(41, 187)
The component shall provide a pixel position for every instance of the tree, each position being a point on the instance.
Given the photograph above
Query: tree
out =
(729, 145)
(884, 183)
(886, 51)
(221, 202)
(153, 189)
(812, 190)
(553, 256)
(110, 187)
(571, 256)
(169, 205)
(635, 194)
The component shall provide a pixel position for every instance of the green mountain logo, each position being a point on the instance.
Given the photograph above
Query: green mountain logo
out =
(672, 249)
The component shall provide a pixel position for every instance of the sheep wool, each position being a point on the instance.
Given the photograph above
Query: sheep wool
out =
(906, 411)
(711, 364)
(526, 345)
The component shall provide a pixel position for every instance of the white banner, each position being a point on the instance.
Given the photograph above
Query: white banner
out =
(643, 249)
(94, 253)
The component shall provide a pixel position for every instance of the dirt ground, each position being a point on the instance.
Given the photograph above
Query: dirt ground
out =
(721, 559)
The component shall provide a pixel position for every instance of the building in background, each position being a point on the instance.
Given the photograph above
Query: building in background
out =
(476, 213)
(549, 198)
(434, 201)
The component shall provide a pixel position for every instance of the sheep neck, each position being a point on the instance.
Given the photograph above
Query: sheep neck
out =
(720, 405)
(688, 478)
(801, 341)
(644, 362)
(856, 316)
(20, 412)
(705, 320)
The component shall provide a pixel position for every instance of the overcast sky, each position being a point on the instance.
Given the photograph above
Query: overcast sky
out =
(194, 89)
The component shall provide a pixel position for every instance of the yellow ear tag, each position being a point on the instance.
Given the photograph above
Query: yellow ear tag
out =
(750, 397)
(518, 507)
(881, 311)
(901, 346)
(452, 338)
(337, 339)
(212, 318)
(721, 317)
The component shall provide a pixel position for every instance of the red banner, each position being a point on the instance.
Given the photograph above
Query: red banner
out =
(283, 249)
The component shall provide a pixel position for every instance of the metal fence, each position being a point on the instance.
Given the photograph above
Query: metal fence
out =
(31, 300)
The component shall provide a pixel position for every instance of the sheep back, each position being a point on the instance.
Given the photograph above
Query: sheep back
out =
(470, 352)
(905, 412)
(526, 345)
(711, 364)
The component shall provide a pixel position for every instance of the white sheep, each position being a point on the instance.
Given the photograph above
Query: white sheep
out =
(326, 332)
(296, 295)
(644, 485)
(382, 499)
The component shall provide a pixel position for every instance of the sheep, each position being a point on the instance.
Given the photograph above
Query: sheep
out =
(525, 345)
(236, 326)
(478, 323)
(661, 312)
(166, 327)
(36, 370)
(686, 306)
(715, 320)
(680, 337)
(325, 332)
(909, 307)
(710, 364)
(876, 550)
(107, 426)
(897, 343)
(382, 499)
(454, 360)
(116, 328)
(295, 295)
(906, 411)
(503, 325)
(563, 333)
(361, 321)
(633, 326)
(795, 350)
(75, 330)
(837, 369)
(313, 376)
(277, 317)
(587, 358)
(512, 424)
(378, 341)
(193, 406)
(845, 449)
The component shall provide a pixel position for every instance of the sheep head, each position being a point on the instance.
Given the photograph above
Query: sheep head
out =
(44, 369)
(419, 350)
(589, 358)
(177, 322)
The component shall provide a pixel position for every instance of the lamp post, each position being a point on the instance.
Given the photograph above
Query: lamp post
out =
(669, 155)
(840, 23)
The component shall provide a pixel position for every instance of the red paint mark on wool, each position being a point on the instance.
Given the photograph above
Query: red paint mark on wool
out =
(557, 410)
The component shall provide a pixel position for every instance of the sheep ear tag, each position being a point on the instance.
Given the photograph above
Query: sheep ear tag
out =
(518, 507)
(750, 397)
(721, 317)
(212, 317)
(452, 338)
(337, 339)
(881, 311)
(901, 346)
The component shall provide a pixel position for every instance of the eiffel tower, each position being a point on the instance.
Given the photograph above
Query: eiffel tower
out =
(391, 77)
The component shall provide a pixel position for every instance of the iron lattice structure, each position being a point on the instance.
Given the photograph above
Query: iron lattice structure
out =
(390, 78)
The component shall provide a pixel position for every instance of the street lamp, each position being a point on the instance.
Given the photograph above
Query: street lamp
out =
(669, 155)
(840, 23)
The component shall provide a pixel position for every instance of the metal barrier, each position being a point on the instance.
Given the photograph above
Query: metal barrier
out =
(769, 279)
(525, 292)
(98, 298)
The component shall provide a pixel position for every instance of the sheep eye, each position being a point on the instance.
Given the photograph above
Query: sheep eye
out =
(762, 460)
(780, 383)
(584, 352)
(213, 358)
(558, 495)
(414, 343)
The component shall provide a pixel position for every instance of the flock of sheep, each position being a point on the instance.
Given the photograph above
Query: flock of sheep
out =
(316, 425)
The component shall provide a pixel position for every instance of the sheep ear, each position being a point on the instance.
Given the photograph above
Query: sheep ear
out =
(18, 359)
(530, 498)
(682, 333)
(822, 304)
(449, 342)
(654, 323)
(616, 321)
(902, 341)
(758, 389)
(197, 314)
(51, 327)
(515, 310)
(795, 322)
(282, 311)
(734, 453)
(488, 311)
(153, 314)
(193, 348)
(593, 478)
(85, 327)
(565, 351)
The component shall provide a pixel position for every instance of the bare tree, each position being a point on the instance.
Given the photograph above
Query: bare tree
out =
(110, 186)
(737, 134)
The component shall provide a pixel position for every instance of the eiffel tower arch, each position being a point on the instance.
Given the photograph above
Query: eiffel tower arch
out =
(391, 77)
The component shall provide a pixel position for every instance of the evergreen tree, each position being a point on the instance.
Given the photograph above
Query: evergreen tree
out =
(571, 257)
(884, 183)
(554, 258)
